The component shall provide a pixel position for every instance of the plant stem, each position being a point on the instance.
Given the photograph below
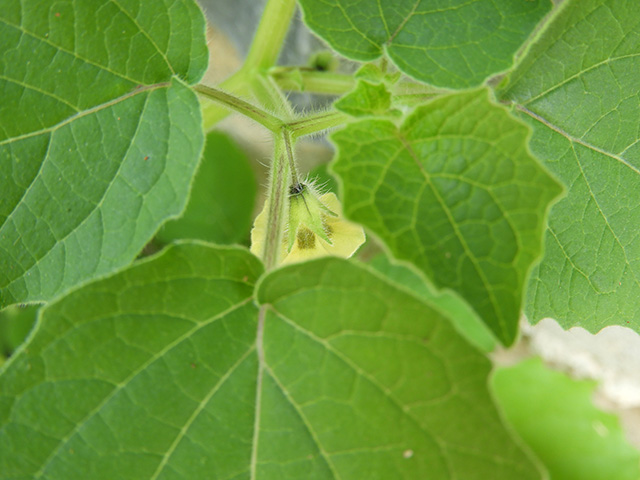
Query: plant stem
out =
(278, 200)
(409, 87)
(266, 91)
(289, 151)
(234, 103)
(303, 79)
(317, 123)
(212, 112)
(270, 35)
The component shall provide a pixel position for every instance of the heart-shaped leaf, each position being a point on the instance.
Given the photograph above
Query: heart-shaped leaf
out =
(170, 369)
(456, 192)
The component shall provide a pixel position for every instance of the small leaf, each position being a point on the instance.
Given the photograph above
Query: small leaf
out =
(555, 416)
(455, 192)
(578, 87)
(448, 44)
(99, 135)
(221, 199)
(169, 370)
(367, 99)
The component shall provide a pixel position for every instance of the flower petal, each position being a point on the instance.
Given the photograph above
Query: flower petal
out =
(259, 232)
(345, 236)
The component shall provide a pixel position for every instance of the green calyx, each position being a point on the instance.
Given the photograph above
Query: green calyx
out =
(307, 217)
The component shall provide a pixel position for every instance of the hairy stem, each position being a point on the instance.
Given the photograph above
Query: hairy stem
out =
(308, 80)
(234, 103)
(212, 111)
(289, 151)
(277, 199)
(267, 92)
(317, 123)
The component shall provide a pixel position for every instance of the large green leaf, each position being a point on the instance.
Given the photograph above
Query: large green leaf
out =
(99, 135)
(222, 196)
(169, 370)
(455, 191)
(449, 43)
(579, 88)
(556, 417)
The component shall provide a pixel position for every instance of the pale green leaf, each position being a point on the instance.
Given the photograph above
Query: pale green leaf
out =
(168, 370)
(222, 196)
(463, 317)
(99, 135)
(454, 191)
(375, 382)
(556, 417)
(449, 43)
(579, 88)
(367, 99)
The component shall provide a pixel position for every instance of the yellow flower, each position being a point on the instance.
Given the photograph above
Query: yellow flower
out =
(315, 228)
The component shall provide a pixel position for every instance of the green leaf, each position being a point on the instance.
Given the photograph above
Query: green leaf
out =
(167, 370)
(454, 191)
(367, 99)
(464, 319)
(154, 364)
(99, 135)
(222, 196)
(15, 324)
(446, 43)
(377, 380)
(578, 87)
(555, 416)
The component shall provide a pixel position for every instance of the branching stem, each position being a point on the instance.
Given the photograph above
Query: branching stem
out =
(317, 123)
(252, 111)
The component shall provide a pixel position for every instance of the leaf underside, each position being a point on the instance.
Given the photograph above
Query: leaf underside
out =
(161, 372)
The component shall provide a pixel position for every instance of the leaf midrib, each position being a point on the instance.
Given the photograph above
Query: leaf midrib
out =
(198, 410)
